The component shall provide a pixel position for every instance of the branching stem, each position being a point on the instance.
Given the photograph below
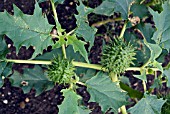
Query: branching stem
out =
(75, 63)
(100, 23)
(123, 30)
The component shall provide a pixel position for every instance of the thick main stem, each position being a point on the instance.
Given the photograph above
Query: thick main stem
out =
(114, 78)
(58, 26)
(75, 63)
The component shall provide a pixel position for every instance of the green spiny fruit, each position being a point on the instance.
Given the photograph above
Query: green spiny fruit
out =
(61, 71)
(117, 56)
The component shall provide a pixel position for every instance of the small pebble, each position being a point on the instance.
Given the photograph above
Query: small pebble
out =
(5, 101)
(9, 45)
(22, 104)
(27, 100)
(9, 93)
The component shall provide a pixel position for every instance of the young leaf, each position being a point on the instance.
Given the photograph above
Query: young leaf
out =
(28, 30)
(83, 28)
(105, 92)
(148, 105)
(161, 36)
(32, 78)
(70, 103)
(78, 45)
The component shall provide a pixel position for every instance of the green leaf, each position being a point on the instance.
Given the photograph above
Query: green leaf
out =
(5, 68)
(39, 1)
(58, 1)
(105, 8)
(139, 10)
(158, 65)
(3, 48)
(83, 111)
(78, 45)
(122, 6)
(108, 7)
(87, 32)
(155, 51)
(60, 42)
(83, 28)
(147, 30)
(85, 74)
(161, 36)
(28, 30)
(105, 92)
(55, 1)
(142, 76)
(32, 78)
(167, 74)
(70, 103)
(142, 51)
(131, 92)
(148, 105)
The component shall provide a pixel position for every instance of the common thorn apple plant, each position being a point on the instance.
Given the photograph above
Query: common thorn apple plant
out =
(140, 47)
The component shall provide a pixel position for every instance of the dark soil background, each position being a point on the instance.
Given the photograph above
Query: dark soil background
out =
(14, 101)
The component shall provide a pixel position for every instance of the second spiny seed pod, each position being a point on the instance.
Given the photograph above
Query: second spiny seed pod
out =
(117, 56)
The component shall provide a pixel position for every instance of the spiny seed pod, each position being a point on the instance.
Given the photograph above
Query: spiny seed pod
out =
(61, 71)
(117, 56)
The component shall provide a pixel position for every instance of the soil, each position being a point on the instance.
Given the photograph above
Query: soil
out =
(14, 101)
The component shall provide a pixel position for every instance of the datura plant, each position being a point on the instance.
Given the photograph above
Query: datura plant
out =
(137, 46)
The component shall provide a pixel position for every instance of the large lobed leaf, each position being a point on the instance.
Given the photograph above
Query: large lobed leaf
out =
(148, 105)
(29, 30)
(105, 92)
(105, 8)
(83, 28)
(32, 78)
(70, 103)
(161, 36)
(5, 68)
(108, 7)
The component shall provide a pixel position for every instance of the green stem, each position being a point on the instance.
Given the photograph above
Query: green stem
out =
(100, 23)
(75, 63)
(86, 65)
(29, 61)
(123, 30)
(58, 26)
(64, 51)
(114, 78)
(144, 85)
